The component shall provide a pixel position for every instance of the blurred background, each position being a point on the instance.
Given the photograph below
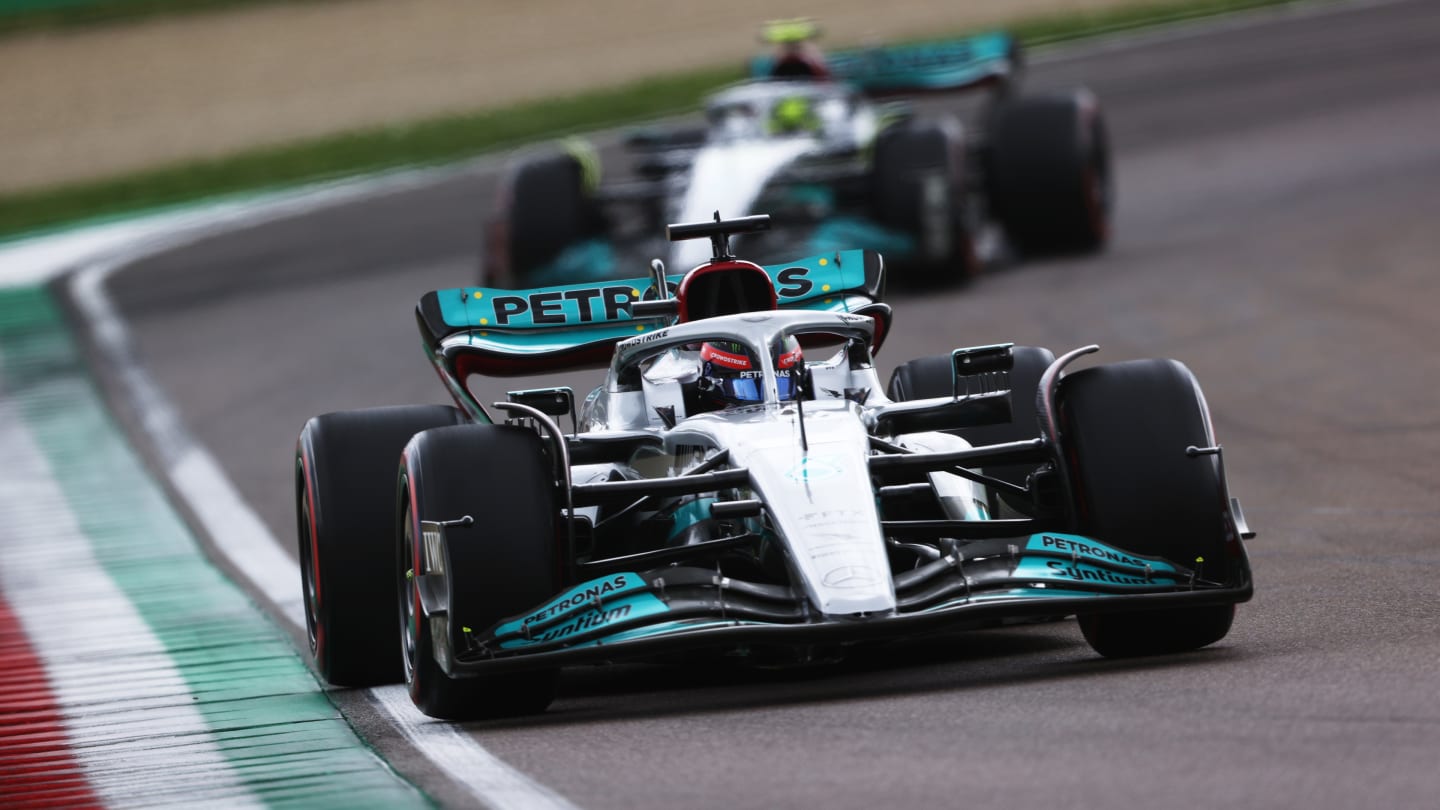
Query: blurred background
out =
(97, 89)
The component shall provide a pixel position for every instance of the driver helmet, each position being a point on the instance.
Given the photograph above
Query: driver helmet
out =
(796, 56)
(793, 114)
(730, 375)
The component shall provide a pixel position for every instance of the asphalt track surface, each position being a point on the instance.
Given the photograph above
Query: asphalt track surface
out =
(1279, 191)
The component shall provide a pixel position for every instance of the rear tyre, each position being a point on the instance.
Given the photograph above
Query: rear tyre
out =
(344, 487)
(927, 377)
(1048, 172)
(550, 207)
(1125, 428)
(918, 189)
(501, 565)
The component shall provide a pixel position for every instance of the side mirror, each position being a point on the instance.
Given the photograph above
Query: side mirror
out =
(982, 369)
(550, 401)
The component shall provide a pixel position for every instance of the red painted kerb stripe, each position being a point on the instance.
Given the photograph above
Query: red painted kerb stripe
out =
(36, 766)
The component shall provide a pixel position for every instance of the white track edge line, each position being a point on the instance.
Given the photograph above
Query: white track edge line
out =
(238, 533)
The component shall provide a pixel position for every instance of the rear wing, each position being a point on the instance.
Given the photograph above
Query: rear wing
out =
(499, 332)
(953, 64)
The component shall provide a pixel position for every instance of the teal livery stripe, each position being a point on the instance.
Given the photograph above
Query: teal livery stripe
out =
(1085, 549)
(935, 65)
(928, 65)
(584, 610)
(596, 304)
(281, 737)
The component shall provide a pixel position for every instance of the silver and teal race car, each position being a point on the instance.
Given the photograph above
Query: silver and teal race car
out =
(742, 483)
(820, 144)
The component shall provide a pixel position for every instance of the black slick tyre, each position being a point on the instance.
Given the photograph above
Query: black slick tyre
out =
(548, 208)
(501, 565)
(1049, 175)
(344, 497)
(1157, 632)
(917, 187)
(1125, 430)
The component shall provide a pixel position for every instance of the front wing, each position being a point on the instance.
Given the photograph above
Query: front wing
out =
(630, 614)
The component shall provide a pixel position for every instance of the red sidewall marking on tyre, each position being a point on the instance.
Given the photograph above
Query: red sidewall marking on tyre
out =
(416, 538)
(310, 493)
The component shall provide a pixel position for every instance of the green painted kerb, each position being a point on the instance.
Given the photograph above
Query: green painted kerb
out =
(264, 708)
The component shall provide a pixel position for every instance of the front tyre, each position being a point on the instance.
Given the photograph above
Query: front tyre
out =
(1156, 632)
(501, 565)
(344, 479)
(918, 188)
(1048, 173)
(548, 206)
(1125, 430)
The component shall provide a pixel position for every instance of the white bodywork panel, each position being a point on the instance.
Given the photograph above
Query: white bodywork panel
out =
(817, 491)
(728, 178)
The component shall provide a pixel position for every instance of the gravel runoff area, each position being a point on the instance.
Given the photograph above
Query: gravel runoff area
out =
(82, 104)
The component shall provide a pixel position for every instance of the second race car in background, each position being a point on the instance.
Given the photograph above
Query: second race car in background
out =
(820, 144)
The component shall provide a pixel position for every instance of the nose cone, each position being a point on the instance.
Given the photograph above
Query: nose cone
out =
(824, 510)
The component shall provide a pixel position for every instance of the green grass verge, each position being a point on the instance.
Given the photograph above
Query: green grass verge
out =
(446, 139)
(19, 16)
(1049, 29)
